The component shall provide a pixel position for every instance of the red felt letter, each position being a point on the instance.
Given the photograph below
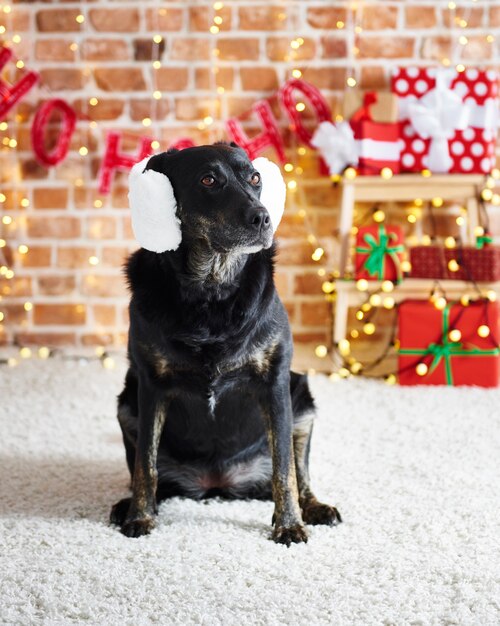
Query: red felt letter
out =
(68, 122)
(113, 160)
(10, 95)
(313, 95)
(270, 136)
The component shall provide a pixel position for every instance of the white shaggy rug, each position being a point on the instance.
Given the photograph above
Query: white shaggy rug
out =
(414, 473)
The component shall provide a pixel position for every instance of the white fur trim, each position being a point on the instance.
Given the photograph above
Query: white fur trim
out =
(152, 203)
(273, 195)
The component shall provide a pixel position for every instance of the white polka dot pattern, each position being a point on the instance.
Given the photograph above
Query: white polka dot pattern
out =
(473, 149)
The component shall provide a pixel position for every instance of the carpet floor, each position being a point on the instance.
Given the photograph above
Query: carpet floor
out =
(413, 471)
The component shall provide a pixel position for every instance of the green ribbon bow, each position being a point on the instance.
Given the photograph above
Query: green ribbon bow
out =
(482, 241)
(447, 349)
(377, 252)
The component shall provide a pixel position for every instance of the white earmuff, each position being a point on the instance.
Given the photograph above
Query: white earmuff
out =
(153, 205)
(273, 194)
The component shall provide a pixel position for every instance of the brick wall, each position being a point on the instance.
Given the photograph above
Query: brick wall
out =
(109, 56)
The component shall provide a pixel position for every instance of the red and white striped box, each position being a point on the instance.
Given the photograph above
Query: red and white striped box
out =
(471, 148)
(378, 146)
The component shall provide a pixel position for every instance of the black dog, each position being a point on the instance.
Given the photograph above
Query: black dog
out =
(210, 406)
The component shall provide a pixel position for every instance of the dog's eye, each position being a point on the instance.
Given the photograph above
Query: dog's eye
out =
(208, 181)
(255, 180)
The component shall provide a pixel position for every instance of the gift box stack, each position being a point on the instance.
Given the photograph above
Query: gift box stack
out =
(448, 119)
(451, 344)
(434, 118)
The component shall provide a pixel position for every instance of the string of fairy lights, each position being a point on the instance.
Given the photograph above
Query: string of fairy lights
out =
(459, 18)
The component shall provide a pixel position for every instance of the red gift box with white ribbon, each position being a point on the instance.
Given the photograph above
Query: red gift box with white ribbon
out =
(378, 143)
(448, 119)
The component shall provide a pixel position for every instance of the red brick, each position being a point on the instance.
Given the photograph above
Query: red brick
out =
(59, 314)
(262, 18)
(326, 224)
(334, 47)
(308, 284)
(19, 20)
(477, 49)
(59, 227)
(316, 313)
(326, 17)
(148, 50)
(46, 339)
(54, 50)
(14, 313)
(56, 285)
(50, 198)
(259, 78)
(204, 79)
(20, 286)
(94, 49)
(104, 314)
(154, 109)
(292, 225)
(98, 339)
(236, 49)
(164, 19)
(420, 16)
(436, 48)
(278, 49)
(295, 254)
(119, 79)
(117, 20)
(494, 16)
(37, 256)
(61, 79)
(379, 17)
(101, 227)
(107, 286)
(75, 257)
(105, 109)
(115, 256)
(190, 49)
(373, 77)
(326, 77)
(473, 16)
(58, 20)
(386, 47)
(311, 337)
(171, 78)
(201, 18)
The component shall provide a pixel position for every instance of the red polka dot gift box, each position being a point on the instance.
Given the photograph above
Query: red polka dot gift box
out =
(448, 119)
(450, 344)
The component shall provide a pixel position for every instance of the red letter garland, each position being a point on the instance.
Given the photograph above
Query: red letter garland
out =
(9, 96)
(113, 160)
(41, 120)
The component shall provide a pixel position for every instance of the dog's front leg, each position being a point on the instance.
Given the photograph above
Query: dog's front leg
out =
(140, 519)
(288, 525)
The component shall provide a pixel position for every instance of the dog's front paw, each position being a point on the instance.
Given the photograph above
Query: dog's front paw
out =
(289, 535)
(138, 527)
(119, 511)
(319, 513)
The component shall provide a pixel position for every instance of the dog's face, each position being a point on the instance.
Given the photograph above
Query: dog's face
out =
(217, 194)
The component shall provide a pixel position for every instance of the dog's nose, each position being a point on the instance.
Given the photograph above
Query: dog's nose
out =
(260, 219)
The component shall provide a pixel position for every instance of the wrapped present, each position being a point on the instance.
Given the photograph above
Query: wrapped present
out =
(448, 119)
(378, 143)
(382, 105)
(379, 253)
(479, 264)
(456, 345)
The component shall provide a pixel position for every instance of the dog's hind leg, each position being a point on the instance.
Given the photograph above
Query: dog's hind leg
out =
(313, 511)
